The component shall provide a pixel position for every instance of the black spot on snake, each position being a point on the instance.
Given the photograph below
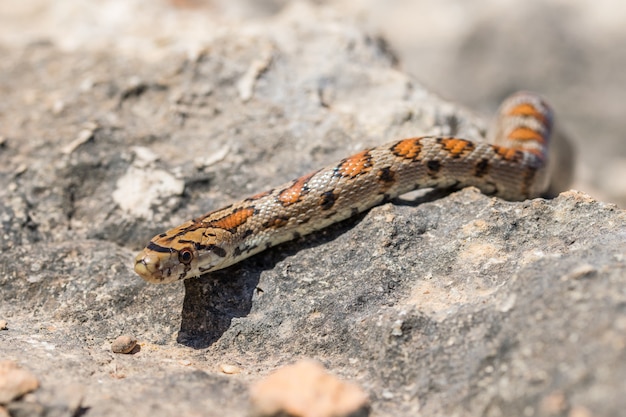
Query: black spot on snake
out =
(386, 175)
(328, 200)
(216, 250)
(199, 246)
(481, 168)
(157, 248)
(433, 166)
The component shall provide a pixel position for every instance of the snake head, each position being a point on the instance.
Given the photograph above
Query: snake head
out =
(184, 252)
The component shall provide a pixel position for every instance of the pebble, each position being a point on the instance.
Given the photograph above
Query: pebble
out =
(124, 344)
(3, 325)
(229, 369)
(580, 272)
(306, 389)
(15, 381)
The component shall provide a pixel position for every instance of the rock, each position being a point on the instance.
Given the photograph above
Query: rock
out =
(3, 325)
(124, 344)
(50, 401)
(26, 409)
(445, 303)
(305, 389)
(15, 381)
(229, 369)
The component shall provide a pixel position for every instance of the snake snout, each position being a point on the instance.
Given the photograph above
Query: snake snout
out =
(147, 267)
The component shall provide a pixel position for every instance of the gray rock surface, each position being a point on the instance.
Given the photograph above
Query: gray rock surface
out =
(446, 304)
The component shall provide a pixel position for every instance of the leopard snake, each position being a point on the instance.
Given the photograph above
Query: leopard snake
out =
(513, 167)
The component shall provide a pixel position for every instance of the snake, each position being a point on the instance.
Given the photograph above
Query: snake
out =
(511, 164)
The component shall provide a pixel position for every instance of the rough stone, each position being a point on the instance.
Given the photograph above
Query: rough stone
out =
(123, 344)
(305, 389)
(229, 369)
(61, 400)
(15, 382)
(448, 303)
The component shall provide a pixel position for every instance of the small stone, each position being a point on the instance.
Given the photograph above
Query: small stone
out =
(396, 328)
(229, 369)
(305, 389)
(15, 382)
(4, 412)
(124, 344)
(3, 325)
(508, 304)
(20, 169)
(213, 158)
(580, 272)
(85, 135)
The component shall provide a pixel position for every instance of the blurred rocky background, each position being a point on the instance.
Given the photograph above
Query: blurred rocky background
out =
(471, 52)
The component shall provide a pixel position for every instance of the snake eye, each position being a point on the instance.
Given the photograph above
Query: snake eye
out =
(185, 256)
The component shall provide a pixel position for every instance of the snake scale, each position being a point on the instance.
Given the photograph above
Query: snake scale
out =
(513, 167)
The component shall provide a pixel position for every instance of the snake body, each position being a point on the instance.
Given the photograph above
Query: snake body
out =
(513, 167)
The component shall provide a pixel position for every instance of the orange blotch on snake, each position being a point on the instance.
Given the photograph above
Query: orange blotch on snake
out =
(457, 147)
(508, 154)
(294, 193)
(407, 148)
(233, 220)
(355, 165)
(525, 133)
(528, 110)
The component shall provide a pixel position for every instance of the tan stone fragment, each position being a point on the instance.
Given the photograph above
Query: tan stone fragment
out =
(305, 389)
(15, 382)
(124, 344)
